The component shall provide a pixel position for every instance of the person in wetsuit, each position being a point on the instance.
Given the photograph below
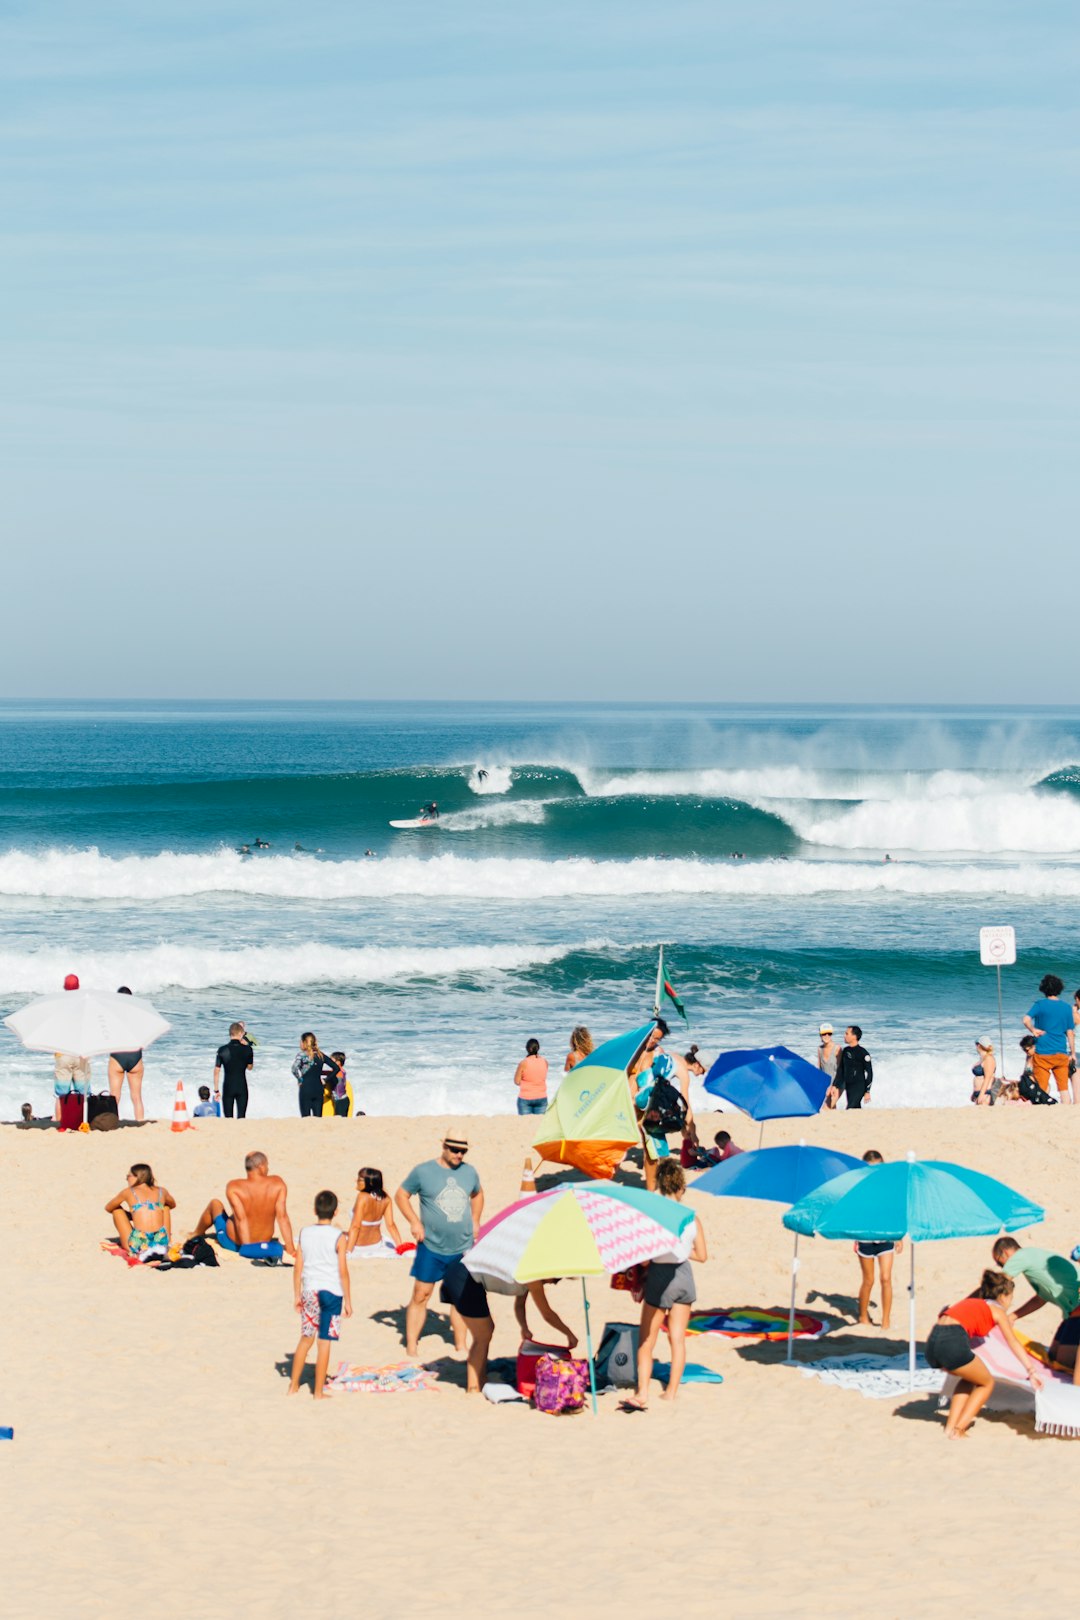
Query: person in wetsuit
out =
(234, 1059)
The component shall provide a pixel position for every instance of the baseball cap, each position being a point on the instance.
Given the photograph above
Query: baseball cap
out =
(826, 1029)
(71, 982)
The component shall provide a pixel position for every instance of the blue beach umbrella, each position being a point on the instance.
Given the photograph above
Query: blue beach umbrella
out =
(779, 1175)
(923, 1200)
(769, 1083)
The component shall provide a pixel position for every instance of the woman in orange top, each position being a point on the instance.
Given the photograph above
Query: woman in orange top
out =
(530, 1077)
(949, 1347)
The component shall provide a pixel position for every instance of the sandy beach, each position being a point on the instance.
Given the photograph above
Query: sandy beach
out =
(154, 1443)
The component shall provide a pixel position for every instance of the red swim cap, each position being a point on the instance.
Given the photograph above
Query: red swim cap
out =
(71, 982)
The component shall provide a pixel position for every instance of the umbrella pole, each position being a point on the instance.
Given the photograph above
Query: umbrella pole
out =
(911, 1323)
(791, 1313)
(588, 1346)
(761, 1134)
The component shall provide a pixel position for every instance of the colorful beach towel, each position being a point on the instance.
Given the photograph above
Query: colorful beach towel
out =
(396, 1378)
(118, 1250)
(877, 1377)
(693, 1373)
(1055, 1407)
(754, 1322)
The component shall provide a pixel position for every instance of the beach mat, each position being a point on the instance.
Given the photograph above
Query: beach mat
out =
(693, 1373)
(757, 1322)
(120, 1253)
(876, 1377)
(394, 1378)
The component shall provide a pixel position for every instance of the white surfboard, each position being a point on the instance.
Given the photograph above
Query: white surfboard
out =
(417, 821)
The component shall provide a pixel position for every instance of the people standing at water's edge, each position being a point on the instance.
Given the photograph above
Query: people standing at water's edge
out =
(143, 1226)
(371, 1209)
(581, 1045)
(828, 1055)
(129, 1066)
(984, 1073)
(321, 1290)
(253, 1209)
(670, 1292)
(949, 1348)
(1050, 1020)
(235, 1060)
(310, 1067)
(854, 1070)
(530, 1078)
(451, 1204)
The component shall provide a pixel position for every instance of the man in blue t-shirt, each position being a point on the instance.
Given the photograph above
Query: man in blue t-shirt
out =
(1051, 1022)
(451, 1204)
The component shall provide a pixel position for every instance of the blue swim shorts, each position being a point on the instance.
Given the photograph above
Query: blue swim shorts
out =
(429, 1267)
(271, 1249)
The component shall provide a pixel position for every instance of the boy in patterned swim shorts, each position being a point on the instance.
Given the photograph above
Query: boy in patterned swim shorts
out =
(320, 1290)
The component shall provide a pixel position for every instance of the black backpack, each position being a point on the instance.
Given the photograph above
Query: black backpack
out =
(666, 1109)
(1032, 1092)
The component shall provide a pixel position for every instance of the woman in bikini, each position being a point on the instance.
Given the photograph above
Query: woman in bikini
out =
(882, 1255)
(581, 1044)
(144, 1227)
(949, 1347)
(372, 1208)
(127, 1066)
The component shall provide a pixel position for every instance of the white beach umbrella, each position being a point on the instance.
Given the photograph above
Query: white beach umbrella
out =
(87, 1023)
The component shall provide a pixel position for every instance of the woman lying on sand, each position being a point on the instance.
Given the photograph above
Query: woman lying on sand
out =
(372, 1208)
(145, 1226)
(949, 1347)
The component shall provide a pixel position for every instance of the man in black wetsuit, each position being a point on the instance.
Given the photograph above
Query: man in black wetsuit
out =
(235, 1058)
(854, 1071)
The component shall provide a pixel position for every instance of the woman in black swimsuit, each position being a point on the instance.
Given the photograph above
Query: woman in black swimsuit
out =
(129, 1066)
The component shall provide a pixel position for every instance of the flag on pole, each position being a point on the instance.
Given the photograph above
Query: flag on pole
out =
(664, 987)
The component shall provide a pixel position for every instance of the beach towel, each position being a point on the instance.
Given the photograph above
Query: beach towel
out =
(877, 1377)
(117, 1249)
(395, 1378)
(693, 1373)
(1056, 1407)
(755, 1322)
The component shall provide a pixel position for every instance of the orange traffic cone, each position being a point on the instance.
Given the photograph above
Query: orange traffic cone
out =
(180, 1120)
(528, 1179)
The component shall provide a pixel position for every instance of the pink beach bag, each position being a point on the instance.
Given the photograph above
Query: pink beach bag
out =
(560, 1384)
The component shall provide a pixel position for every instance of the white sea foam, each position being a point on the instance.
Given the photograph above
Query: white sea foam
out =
(991, 824)
(200, 967)
(767, 784)
(508, 813)
(499, 779)
(88, 875)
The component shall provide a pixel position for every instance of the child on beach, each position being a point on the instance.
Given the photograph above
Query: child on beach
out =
(204, 1108)
(339, 1094)
(320, 1290)
(371, 1210)
(881, 1253)
(670, 1293)
(949, 1348)
(144, 1226)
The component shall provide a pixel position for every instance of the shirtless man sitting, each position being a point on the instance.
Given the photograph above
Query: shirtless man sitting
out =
(254, 1208)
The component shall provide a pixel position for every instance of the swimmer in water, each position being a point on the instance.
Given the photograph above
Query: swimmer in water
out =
(260, 843)
(244, 849)
(369, 852)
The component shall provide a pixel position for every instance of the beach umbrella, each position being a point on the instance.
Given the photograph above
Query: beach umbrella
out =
(590, 1122)
(779, 1175)
(582, 1229)
(923, 1200)
(768, 1083)
(88, 1023)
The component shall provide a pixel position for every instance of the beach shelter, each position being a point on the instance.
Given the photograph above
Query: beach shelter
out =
(581, 1229)
(590, 1121)
(88, 1022)
(921, 1200)
(769, 1083)
(779, 1175)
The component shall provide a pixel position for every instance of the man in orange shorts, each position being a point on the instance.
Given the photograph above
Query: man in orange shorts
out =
(1050, 1020)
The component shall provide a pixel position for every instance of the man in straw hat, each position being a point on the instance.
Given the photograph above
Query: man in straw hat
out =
(451, 1206)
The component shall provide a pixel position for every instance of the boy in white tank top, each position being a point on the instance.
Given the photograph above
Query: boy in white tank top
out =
(320, 1290)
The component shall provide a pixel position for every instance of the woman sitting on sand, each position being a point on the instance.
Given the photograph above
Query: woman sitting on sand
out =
(372, 1208)
(949, 1348)
(144, 1227)
(581, 1044)
(670, 1291)
(983, 1074)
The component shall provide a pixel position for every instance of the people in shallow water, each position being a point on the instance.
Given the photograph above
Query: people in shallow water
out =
(260, 843)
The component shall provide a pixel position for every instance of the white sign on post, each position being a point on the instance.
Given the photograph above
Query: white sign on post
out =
(997, 946)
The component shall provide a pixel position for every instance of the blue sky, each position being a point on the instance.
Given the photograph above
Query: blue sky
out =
(384, 352)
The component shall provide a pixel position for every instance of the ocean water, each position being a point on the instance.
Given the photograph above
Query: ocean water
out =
(749, 841)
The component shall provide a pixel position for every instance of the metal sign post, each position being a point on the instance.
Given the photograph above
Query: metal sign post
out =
(997, 949)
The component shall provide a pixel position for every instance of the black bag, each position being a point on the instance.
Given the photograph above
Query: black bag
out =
(665, 1110)
(101, 1103)
(200, 1252)
(616, 1359)
(1032, 1092)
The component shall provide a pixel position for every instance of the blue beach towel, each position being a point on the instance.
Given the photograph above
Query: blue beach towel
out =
(693, 1373)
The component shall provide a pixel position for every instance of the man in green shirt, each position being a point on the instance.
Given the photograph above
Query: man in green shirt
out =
(1054, 1279)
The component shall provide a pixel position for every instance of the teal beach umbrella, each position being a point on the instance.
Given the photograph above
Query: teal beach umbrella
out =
(923, 1200)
